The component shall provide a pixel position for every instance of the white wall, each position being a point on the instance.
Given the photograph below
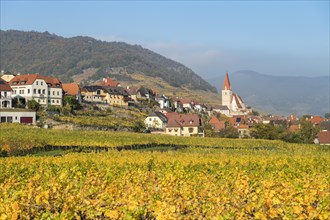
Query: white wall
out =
(16, 116)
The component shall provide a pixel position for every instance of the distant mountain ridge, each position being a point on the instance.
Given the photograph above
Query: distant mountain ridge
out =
(49, 54)
(280, 94)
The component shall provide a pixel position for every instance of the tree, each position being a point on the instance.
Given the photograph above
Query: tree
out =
(72, 102)
(33, 104)
(267, 131)
(255, 113)
(229, 132)
(308, 131)
(327, 115)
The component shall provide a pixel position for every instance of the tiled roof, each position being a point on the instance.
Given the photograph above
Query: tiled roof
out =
(132, 90)
(294, 128)
(226, 83)
(217, 124)
(243, 126)
(175, 120)
(113, 90)
(109, 82)
(237, 100)
(92, 88)
(220, 107)
(28, 79)
(159, 115)
(186, 101)
(324, 137)
(71, 88)
(317, 119)
(4, 86)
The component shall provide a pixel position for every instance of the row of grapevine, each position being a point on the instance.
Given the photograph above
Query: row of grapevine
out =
(192, 184)
(20, 138)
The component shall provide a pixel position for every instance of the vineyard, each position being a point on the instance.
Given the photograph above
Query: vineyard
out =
(16, 139)
(210, 178)
(192, 183)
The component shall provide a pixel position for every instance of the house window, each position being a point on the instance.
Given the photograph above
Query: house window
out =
(9, 119)
(191, 130)
(34, 91)
(28, 91)
(48, 100)
(176, 130)
(42, 83)
(57, 101)
(15, 117)
(169, 130)
(39, 91)
(150, 119)
(53, 92)
(98, 92)
(53, 101)
(48, 93)
(58, 93)
(43, 91)
(3, 119)
(37, 82)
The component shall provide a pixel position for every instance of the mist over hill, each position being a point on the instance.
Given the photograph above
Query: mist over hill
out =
(49, 54)
(280, 94)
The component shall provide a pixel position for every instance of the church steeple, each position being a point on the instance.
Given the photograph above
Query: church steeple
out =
(226, 83)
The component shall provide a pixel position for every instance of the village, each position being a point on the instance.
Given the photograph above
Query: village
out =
(22, 95)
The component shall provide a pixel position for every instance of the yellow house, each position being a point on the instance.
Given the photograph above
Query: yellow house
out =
(94, 94)
(113, 96)
(117, 96)
(182, 125)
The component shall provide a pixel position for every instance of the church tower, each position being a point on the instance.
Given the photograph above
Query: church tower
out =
(227, 93)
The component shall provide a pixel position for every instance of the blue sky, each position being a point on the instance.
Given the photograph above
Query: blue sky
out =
(210, 37)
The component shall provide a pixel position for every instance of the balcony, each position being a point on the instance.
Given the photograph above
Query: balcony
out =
(7, 97)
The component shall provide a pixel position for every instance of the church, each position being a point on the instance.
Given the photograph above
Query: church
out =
(233, 101)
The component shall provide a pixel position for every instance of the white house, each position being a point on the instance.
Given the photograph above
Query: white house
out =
(156, 120)
(222, 109)
(23, 116)
(164, 102)
(44, 89)
(5, 95)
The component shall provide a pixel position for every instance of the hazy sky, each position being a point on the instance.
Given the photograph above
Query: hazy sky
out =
(210, 37)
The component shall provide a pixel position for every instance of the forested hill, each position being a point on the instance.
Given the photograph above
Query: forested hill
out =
(49, 54)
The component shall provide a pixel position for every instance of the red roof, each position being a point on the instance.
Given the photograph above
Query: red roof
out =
(226, 83)
(324, 137)
(177, 120)
(4, 86)
(109, 82)
(237, 100)
(71, 88)
(29, 79)
(217, 124)
(294, 128)
(185, 100)
(317, 119)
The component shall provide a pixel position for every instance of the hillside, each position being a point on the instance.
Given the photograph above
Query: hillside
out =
(280, 94)
(70, 58)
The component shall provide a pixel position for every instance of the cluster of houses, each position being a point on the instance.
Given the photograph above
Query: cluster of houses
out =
(174, 116)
